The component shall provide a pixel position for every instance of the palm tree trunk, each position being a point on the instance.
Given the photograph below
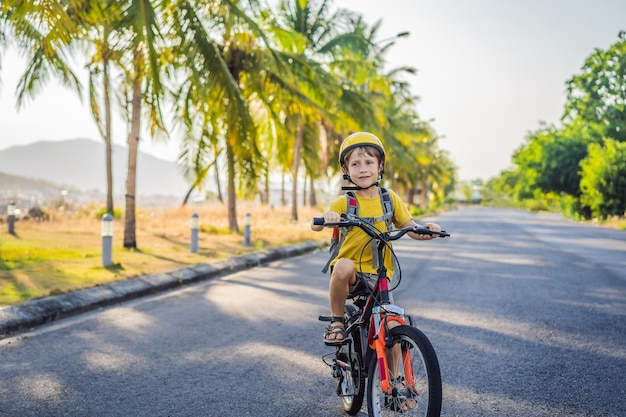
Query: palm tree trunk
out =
(217, 181)
(324, 143)
(107, 137)
(283, 197)
(186, 199)
(131, 177)
(267, 186)
(312, 198)
(232, 202)
(424, 194)
(294, 174)
(304, 191)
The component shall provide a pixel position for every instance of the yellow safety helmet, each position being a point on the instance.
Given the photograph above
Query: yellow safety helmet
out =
(360, 139)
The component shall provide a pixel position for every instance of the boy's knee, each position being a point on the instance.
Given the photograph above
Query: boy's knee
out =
(344, 265)
(343, 270)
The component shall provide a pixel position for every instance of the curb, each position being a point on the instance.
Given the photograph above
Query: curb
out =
(45, 310)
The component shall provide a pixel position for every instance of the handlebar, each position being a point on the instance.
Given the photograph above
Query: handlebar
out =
(367, 228)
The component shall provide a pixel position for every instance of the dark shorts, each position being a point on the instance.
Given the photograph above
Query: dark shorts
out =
(360, 288)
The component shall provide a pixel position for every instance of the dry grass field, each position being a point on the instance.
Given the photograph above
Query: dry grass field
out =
(64, 253)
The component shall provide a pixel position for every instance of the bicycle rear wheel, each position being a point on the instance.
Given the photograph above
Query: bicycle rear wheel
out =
(411, 353)
(351, 383)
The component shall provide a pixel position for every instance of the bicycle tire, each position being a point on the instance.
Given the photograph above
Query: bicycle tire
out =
(426, 374)
(351, 385)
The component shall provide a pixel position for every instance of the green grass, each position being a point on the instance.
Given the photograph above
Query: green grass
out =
(64, 254)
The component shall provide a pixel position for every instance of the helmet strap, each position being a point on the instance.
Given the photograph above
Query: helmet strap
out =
(357, 187)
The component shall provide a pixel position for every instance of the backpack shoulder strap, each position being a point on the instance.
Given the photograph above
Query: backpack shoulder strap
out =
(387, 203)
(353, 204)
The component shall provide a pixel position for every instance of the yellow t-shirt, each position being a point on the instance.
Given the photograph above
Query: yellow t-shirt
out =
(357, 244)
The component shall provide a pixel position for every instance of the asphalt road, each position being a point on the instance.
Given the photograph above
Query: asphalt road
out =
(527, 314)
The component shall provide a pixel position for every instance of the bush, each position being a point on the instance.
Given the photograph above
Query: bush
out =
(416, 211)
(603, 182)
(117, 213)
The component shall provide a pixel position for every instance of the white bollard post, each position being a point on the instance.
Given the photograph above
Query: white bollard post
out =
(107, 240)
(11, 217)
(195, 220)
(246, 229)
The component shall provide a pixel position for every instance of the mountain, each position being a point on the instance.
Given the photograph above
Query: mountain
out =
(14, 182)
(80, 164)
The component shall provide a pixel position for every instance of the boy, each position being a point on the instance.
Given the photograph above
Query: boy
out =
(362, 159)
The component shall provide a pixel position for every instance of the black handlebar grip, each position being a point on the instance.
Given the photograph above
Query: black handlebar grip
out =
(318, 221)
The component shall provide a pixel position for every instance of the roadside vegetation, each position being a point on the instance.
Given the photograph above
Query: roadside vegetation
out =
(577, 169)
(64, 253)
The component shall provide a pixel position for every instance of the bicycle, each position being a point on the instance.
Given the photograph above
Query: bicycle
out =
(382, 342)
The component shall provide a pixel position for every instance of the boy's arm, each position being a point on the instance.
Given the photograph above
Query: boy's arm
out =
(401, 213)
(332, 215)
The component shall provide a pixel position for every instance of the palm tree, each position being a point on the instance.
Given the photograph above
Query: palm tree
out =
(80, 22)
(139, 30)
(44, 32)
(238, 83)
(315, 35)
(66, 26)
(211, 58)
(100, 20)
(48, 49)
(199, 155)
(392, 106)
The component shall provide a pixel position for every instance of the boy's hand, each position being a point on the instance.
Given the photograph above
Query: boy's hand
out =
(329, 217)
(431, 226)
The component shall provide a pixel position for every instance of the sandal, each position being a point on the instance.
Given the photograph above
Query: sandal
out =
(337, 330)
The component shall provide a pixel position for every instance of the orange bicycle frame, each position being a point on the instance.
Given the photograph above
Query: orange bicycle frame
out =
(377, 340)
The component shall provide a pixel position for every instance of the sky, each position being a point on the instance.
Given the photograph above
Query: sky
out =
(489, 72)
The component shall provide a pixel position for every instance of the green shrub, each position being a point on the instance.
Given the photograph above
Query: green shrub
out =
(214, 230)
(100, 212)
(603, 182)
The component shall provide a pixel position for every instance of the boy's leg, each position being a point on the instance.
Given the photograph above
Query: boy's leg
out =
(344, 275)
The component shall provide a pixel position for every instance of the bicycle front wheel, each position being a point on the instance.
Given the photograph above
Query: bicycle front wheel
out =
(413, 370)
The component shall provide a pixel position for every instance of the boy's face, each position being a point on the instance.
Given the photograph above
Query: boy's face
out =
(363, 167)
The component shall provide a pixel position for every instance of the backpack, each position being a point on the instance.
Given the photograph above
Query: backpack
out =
(339, 234)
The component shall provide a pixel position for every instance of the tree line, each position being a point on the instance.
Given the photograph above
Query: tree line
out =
(578, 168)
(241, 85)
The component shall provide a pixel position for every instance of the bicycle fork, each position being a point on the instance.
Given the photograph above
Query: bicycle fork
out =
(383, 317)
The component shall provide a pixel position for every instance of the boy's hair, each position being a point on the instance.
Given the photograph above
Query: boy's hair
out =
(366, 149)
